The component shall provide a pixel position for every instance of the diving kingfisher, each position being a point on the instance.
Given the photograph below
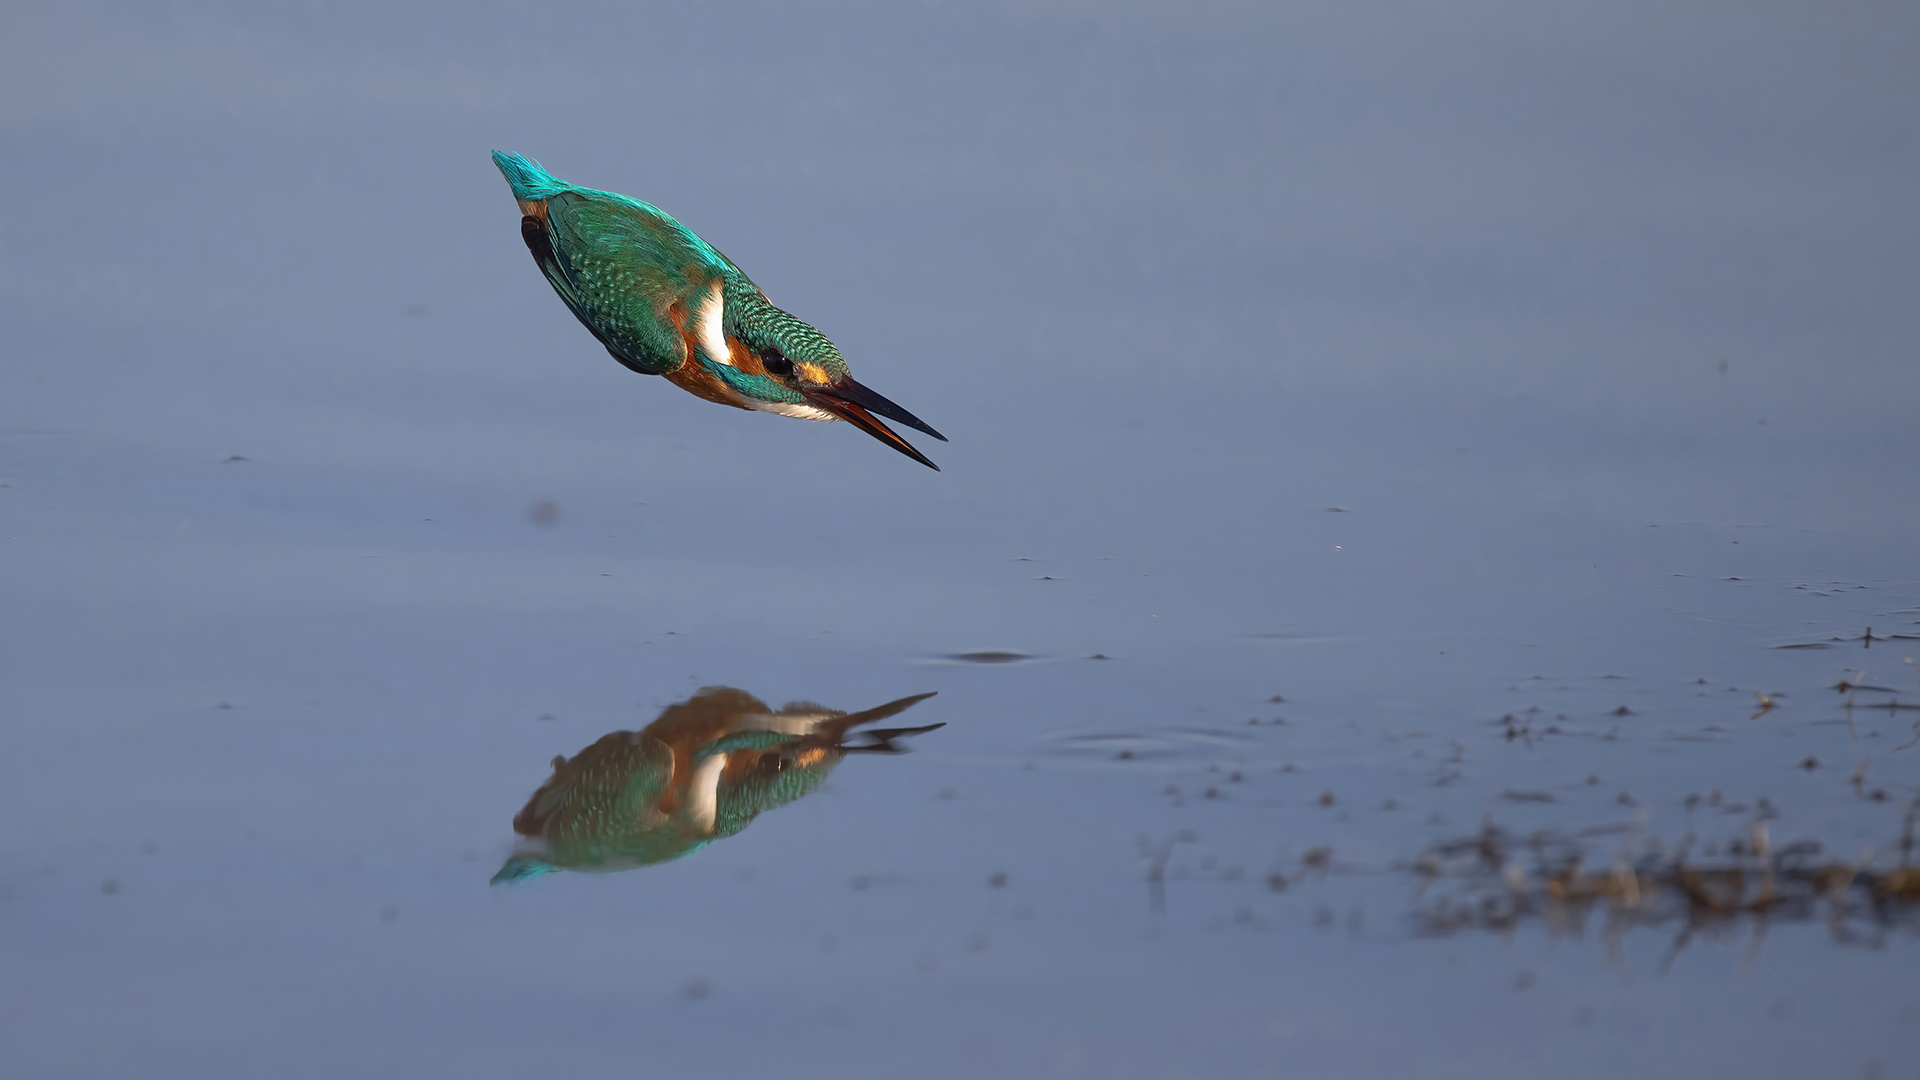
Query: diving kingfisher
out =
(699, 773)
(665, 302)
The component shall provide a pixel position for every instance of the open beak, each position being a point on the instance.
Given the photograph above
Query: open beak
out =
(858, 405)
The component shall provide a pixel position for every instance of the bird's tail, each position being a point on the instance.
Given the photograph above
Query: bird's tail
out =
(528, 180)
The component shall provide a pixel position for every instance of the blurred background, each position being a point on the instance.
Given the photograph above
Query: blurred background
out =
(1350, 382)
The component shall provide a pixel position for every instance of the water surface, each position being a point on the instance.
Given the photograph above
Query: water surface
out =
(1392, 456)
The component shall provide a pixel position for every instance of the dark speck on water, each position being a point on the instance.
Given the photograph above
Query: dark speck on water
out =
(990, 656)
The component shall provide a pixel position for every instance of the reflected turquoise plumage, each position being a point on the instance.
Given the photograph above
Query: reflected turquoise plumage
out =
(665, 302)
(700, 772)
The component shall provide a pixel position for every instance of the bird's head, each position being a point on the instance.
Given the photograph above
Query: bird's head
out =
(785, 366)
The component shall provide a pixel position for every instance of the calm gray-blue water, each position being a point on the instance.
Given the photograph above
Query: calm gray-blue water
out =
(1395, 454)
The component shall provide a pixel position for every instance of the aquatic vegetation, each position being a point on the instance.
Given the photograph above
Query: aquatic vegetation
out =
(1499, 881)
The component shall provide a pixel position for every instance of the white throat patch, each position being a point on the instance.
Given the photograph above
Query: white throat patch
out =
(708, 328)
(789, 408)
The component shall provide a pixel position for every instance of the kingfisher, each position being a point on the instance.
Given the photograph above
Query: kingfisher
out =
(699, 773)
(665, 302)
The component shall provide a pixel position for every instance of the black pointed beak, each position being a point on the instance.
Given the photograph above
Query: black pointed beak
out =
(858, 405)
(848, 390)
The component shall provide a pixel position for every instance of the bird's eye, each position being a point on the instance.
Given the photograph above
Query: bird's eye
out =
(776, 362)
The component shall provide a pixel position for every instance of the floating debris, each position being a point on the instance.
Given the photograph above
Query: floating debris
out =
(1528, 796)
(1497, 881)
(1157, 853)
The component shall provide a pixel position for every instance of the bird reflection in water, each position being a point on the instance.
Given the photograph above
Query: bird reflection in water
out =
(699, 773)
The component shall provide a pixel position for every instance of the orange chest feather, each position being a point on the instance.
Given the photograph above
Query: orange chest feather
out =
(693, 376)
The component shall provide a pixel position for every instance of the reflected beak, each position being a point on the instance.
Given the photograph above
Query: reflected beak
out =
(863, 408)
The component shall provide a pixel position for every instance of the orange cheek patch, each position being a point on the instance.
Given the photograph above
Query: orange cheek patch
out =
(695, 379)
(744, 359)
(813, 373)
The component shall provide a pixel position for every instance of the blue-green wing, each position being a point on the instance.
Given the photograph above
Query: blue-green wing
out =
(630, 273)
(604, 794)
